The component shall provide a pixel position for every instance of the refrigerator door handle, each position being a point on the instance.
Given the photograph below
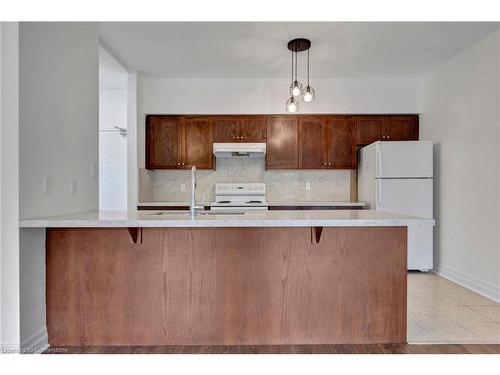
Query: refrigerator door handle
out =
(378, 161)
(379, 195)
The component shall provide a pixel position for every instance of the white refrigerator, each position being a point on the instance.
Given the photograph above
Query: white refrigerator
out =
(398, 177)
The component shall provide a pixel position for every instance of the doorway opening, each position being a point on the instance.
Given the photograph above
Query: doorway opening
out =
(112, 133)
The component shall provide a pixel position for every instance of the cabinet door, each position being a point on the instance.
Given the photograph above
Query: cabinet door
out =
(282, 142)
(163, 141)
(253, 129)
(313, 142)
(401, 128)
(227, 128)
(342, 147)
(369, 129)
(198, 142)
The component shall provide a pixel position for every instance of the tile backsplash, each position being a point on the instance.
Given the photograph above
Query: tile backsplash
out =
(158, 186)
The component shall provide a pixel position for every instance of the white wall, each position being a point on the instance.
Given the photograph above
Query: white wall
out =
(59, 116)
(268, 96)
(58, 93)
(9, 187)
(461, 115)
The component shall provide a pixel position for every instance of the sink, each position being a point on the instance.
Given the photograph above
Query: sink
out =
(199, 213)
(221, 213)
(168, 213)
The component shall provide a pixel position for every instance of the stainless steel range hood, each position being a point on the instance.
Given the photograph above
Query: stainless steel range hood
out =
(226, 150)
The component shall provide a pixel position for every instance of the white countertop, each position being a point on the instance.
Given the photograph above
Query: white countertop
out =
(271, 203)
(274, 218)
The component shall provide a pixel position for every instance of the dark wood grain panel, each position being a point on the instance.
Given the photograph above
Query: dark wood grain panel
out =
(227, 128)
(225, 286)
(253, 129)
(198, 142)
(282, 142)
(342, 149)
(163, 142)
(369, 128)
(401, 128)
(313, 142)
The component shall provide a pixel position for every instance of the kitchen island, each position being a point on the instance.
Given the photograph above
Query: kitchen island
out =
(266, 277)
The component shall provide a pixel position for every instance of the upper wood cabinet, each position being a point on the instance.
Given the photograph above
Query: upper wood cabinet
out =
(313, 142)
(163, 142)
(342, 149)
(227, 128)
(240, 128)
(198, 141)
(253, 129)
(326, 142)
(401, 128)
(179, 142)
(374, 128)
(282, 142)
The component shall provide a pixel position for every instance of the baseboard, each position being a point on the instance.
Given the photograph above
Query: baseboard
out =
(36, 343)
(487, 290)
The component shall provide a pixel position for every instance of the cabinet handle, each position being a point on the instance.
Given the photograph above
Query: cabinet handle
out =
(329, 163)
(178, 164)
(383, 137)
(388, 137)
(182, 164)
(324, 163)
(241, 137)
(268, 163)
(237, 137)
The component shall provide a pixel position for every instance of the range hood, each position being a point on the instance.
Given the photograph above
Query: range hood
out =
(226, 150)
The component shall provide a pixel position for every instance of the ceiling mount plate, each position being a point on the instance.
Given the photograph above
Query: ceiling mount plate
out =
(299, 45)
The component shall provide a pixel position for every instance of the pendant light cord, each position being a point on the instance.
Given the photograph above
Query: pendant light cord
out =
(295, 62)
(308, 67)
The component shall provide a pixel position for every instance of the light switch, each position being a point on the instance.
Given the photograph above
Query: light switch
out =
(73, 186)
(308, 186)
(93, 170)
(46, 186)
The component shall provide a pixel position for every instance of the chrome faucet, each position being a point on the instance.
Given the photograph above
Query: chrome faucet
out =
(192, 205)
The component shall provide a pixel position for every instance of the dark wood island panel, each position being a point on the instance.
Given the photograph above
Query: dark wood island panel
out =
(226, 286)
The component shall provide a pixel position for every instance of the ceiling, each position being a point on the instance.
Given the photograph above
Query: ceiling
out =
(258, 49)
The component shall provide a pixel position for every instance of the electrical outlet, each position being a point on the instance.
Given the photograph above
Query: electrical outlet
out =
(308, 186)
(93, 170)
(183, 187)
(73, 186)
(47, 188)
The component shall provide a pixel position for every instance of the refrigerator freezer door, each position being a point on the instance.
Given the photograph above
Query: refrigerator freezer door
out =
(405, 159)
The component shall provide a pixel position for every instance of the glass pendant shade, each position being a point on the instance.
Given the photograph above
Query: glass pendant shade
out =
(292, 105)
(309, 95)
(296, 89)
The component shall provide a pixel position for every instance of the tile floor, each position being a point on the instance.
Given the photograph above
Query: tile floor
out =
(440, 311)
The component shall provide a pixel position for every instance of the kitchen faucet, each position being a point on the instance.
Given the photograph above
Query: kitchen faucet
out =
(192, 205)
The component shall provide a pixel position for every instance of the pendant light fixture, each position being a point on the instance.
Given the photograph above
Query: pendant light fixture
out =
(296, 91)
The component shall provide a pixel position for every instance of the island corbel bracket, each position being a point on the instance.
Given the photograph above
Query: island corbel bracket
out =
(135, 234)
(316, 234)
